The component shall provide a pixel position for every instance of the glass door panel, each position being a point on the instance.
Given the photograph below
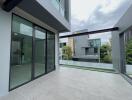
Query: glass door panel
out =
(50, 52)
(32, 52)
(128, 51)
(21, 52)
(40, 41)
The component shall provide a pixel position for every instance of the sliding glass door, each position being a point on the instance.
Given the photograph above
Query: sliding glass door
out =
(40, 42)
(50, 51)
(32, 52)
(21, 52)
(128, 51)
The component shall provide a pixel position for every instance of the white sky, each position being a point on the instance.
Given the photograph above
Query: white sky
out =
(82, 9)
(97, 14)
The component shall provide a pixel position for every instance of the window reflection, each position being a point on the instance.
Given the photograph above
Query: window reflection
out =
(21, 55)
(128, 51)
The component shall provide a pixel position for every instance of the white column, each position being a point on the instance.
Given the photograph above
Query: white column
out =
(5, 38)
(57, 51)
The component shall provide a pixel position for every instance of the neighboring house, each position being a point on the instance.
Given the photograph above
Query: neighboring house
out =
(65, 42)
(62, 43)
(86, 49)
(83, 48)
(29, 39)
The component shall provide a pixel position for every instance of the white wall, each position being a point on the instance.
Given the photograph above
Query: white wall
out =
(63, 40)
(57, 51)
(5, 36)
(47, 4)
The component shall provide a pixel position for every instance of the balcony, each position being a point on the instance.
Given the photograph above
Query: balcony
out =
(74, 84)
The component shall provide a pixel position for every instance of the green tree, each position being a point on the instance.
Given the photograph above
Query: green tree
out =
(105, 53)
(67, 53)
(129, 52)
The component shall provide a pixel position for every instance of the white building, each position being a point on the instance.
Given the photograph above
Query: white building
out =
(29, 39)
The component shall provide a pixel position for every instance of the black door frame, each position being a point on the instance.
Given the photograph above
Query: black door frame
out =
(122, 54)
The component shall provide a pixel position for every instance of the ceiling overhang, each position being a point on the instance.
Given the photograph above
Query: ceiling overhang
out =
(8, 5)
(34, 8)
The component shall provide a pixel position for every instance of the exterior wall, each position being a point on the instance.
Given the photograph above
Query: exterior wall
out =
(79, 46)
(124, 23)
(71, 44)
(5, 38)
(47, 4)
(64, 40)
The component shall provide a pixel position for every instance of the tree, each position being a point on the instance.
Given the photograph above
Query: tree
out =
(105, 53)
(129, 52)
(67, 53)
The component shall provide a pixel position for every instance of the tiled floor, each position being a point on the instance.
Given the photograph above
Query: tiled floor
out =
(74, 84)
(17, 76)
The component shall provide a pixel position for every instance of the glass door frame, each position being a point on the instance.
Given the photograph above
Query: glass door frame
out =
(33, 52)
(122, 68)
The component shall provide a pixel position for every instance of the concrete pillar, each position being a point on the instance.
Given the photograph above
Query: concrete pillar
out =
(5, 41)
(57, 51)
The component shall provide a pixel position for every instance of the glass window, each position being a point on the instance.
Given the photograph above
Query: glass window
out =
(32, 52)
(21, 52)
(50, 51)
(60, 6)
(128, 51)
(56, 4)
(40, 42)
(95, 50)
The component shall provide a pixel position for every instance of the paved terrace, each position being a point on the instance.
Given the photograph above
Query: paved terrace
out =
(74, 84)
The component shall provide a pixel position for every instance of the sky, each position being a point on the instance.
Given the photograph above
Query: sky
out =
(97, 14)
(100, 13)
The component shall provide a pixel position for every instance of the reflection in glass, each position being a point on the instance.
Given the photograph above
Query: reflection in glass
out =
(40, 40)
(56, 4)
(28, 52)
(50, 51)
(21, 52)
(128, 51)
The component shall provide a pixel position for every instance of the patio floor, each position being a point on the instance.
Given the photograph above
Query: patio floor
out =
(74, 84)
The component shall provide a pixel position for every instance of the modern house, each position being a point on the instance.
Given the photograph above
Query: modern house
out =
(29, 39)
(83, 48)
(65, 42)
(86, 49)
